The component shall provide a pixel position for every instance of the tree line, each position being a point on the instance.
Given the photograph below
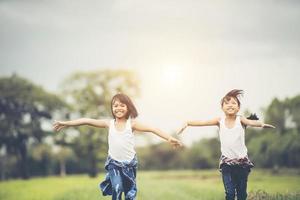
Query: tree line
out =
(28, 146)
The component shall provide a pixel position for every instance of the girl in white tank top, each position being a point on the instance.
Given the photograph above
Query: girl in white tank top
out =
(232, 139)
(121, 162)
(234, 163)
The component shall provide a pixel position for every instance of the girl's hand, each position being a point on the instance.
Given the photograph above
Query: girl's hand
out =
(58, 125)
(174, 142)
(268, 126)
(184, 126)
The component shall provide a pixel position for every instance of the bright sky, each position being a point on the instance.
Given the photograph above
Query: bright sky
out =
(188, 54)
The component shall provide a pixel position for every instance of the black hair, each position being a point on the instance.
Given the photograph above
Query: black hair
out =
(233, 94)
(252, 116)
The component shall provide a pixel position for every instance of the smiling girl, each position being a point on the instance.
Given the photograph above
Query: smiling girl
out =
(234, 162)
(121, 163)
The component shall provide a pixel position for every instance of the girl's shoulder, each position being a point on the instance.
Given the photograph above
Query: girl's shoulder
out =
(216, 120)
(243, 119)
(220, 118)
(108, 121)
(133, 122)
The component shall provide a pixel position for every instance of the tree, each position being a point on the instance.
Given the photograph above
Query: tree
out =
(204, 153)
(160, 156)
(23, 108)
(293, 105)
(89, 94)
(271, 148)
(41, 159)
(62, 155)
(276, 113)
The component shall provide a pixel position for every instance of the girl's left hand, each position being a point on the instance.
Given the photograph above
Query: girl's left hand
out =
(174, 142)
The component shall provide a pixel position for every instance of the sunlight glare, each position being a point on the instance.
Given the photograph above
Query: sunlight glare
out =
(171, 75)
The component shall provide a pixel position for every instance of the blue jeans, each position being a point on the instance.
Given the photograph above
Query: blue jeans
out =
(120, 178)
(117, 183)
(235, 181)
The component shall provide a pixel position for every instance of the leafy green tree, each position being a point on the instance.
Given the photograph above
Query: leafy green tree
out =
(160, 156)
(42, 159)
(89, 94)
(24, 107)
(276, 113)
(62, 155)
(204, 154)
(293, 105)
(8, 165)
(280, 147)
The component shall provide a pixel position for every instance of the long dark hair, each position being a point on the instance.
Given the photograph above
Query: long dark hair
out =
(123, 98)
(252, 116)
(233, 94)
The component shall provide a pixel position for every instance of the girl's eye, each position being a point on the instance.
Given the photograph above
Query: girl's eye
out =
(122, 105)
(117, 105)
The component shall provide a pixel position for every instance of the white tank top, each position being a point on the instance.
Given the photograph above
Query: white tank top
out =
(121, 143)
(232, 139)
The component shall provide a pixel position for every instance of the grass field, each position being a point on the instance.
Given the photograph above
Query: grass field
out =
(156, 185)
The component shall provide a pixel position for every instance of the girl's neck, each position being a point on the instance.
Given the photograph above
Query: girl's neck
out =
(230, 116)
(120, 120)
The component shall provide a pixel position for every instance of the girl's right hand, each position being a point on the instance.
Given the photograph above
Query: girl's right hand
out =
(174, 142)
(184, 126)
(58, 125)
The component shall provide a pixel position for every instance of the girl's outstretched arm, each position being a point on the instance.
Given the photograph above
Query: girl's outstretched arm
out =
(58, 125)
(255, 123)
(144, 128)
(212, 122)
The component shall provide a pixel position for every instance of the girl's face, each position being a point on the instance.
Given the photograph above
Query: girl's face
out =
(231, 106)
(119, 109)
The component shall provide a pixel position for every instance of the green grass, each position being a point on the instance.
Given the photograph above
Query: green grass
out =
(155, 185)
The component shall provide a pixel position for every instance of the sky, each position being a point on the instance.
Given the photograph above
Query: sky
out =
(187, 54)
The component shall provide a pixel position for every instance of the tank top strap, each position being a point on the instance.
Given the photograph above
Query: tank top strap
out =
(128, 124)
(222, 121)
(111, 123)
(238, 121)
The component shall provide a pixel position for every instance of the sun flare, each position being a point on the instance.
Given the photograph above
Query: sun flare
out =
(171, 75)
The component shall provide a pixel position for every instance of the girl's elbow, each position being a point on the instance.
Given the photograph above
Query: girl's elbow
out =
(152, 130)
